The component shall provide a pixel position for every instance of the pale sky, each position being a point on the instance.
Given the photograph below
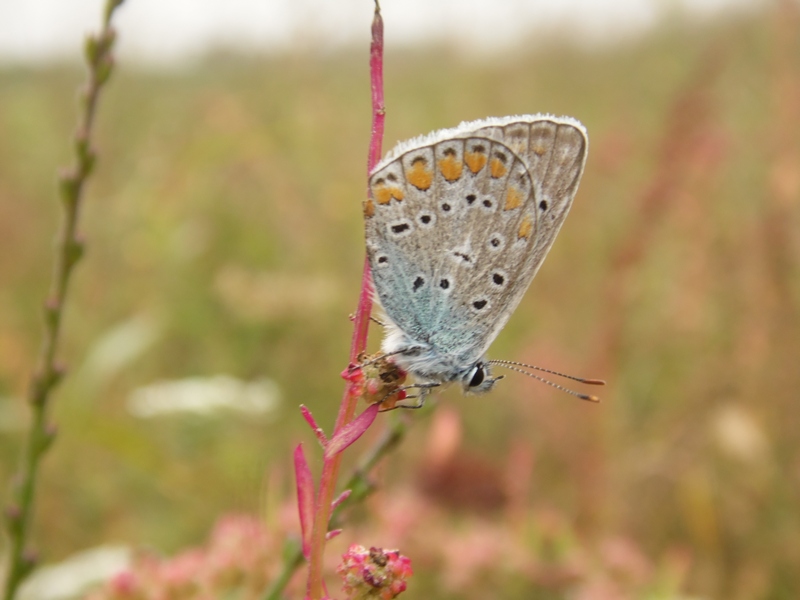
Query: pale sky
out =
(173, 31)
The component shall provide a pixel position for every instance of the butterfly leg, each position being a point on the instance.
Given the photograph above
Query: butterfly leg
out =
(424, 390)
(352, 317)
(381, 357)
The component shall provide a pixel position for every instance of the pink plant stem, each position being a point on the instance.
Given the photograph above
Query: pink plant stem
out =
(330, 468)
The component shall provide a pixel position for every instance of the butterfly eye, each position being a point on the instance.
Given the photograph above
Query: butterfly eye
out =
(478, 374)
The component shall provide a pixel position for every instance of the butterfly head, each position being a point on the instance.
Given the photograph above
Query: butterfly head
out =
(478, 379)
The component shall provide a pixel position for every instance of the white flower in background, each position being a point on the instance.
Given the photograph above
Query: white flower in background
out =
(75, 574)
(205, 396)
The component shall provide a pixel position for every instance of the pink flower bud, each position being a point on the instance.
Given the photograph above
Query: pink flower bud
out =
(373, 573)
(380, 380)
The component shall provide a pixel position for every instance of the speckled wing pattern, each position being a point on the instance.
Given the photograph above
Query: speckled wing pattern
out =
(458, 222)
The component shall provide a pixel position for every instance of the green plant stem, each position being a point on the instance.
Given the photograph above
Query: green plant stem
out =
(69, 249)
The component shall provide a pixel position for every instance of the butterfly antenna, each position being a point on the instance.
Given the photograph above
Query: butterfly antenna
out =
(515, 366)
(506, 363)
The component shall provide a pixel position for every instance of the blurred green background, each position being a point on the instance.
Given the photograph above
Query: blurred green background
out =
(224, 237)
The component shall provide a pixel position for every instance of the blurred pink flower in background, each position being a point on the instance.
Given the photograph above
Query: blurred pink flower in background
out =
(470, 547)
(239, 560)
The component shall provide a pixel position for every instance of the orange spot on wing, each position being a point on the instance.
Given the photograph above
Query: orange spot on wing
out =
(475, 160)
(513, 199)
(369, 208)
(539, 150)
(498, 168)
(419, 175)
(450, 168)
(383, 194)
(525, 228)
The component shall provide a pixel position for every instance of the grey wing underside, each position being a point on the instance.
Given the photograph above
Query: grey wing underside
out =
(451, 256)
(555, 151)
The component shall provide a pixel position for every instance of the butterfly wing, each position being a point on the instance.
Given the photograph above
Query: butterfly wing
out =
(451, 233)
(554, 150)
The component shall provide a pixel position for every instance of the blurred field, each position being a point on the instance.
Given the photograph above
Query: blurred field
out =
(224, 237)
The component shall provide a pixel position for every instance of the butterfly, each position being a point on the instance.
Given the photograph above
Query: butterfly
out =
(457, 223)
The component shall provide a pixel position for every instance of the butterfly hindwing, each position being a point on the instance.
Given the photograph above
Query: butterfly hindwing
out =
(554, 150)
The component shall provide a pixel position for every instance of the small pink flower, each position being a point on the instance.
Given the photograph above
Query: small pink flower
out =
(373, 573)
